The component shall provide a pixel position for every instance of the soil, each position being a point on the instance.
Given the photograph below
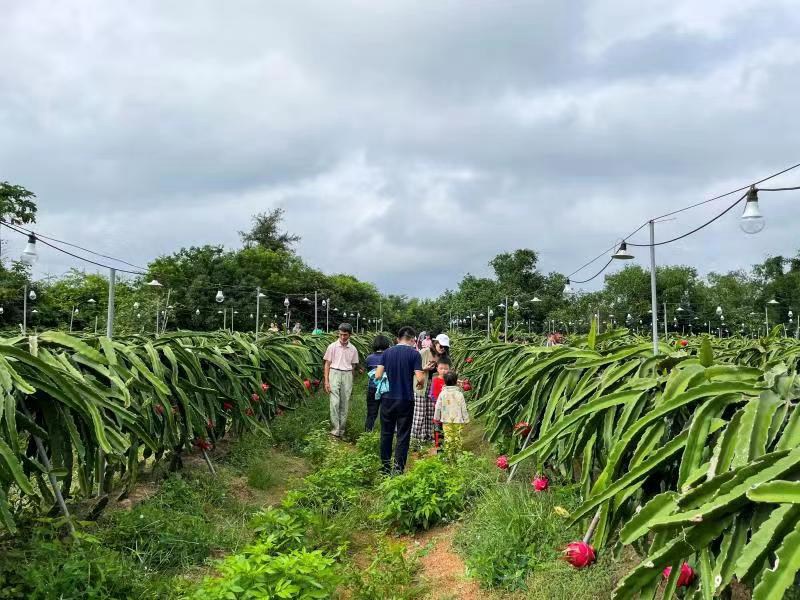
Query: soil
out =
(441, 567)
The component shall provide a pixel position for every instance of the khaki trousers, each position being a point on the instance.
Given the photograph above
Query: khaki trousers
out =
(341, 388)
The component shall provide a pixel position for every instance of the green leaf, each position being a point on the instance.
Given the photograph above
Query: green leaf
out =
(779, 492)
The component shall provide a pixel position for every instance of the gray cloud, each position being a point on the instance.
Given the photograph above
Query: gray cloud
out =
(409, 142)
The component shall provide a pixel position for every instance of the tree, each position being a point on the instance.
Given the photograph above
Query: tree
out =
(16, 204)
(516, 271)
(265, 232)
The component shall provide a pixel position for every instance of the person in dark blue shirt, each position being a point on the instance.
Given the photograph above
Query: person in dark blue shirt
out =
(402, 364)
(379, 345)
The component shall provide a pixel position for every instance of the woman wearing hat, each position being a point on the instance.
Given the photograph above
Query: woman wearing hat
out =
(422, 425)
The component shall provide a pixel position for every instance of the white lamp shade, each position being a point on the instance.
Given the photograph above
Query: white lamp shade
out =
(752, 221)
(91, 300)
(29, 254)
(154, 283)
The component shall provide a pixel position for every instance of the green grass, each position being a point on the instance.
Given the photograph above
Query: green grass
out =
(515, 532)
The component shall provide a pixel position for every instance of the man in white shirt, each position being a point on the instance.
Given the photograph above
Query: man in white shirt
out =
(341, 360)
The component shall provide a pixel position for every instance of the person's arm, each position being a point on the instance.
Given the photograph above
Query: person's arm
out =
(356, 365)
(328, 376)
(437, 411)
(378, 372)
(418, 372)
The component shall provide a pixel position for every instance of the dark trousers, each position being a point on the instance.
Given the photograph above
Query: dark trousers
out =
(396, 416)
(373, 406)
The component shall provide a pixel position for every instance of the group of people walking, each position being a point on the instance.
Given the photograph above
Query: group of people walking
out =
(412, 389)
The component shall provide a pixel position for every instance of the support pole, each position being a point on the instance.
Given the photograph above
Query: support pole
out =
(112, 281)
(316, 325)
(505, 328)
(71, 318)
(25, 311)
(488, 323)
(766, 318)
(258, 309)
(653, 297)
(666, 333)
(524, 445)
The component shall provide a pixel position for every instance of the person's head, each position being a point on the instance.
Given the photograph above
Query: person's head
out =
(345, 331)
(451, 378)
(443, 366)
(406, 335)
(380, 343)
(441, 344)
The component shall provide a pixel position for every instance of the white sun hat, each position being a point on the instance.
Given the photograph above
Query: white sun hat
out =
(443, 339)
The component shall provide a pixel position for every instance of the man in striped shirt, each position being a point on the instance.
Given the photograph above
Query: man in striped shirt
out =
(341, 360)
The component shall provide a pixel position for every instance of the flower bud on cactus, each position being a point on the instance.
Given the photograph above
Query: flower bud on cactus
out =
(683, 343)
(686, 576)
(502, 462)
(540, 483)
(579, 554)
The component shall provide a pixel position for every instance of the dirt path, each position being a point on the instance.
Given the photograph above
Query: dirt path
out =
(441, 567)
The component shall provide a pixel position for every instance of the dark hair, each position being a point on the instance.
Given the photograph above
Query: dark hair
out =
(450, 378)
(345, 328)
(443, 360)
(380, 343)
(406, 333)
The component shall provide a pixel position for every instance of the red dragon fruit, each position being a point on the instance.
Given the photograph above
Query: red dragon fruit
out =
(683, 343)
(466, 385)
(522, 429)
(227, 406)
(264, 386)
(254, 398)
(202, 444)
(540, 483)
(159, 409)
(579, 554)
(502, 462)
(469, 360)
(307, 384)
(686, 577)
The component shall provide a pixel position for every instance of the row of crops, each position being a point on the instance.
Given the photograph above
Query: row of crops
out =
(689, 457)
(79, 417)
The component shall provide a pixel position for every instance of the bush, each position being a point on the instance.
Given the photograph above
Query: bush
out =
(513, 530)
(263, 572)
(338, 484)
(45, 567)
(432, 491)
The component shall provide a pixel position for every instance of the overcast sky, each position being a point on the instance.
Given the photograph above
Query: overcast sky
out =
(409, 142)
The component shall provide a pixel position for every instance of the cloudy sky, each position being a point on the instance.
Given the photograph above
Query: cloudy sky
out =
(408, 141)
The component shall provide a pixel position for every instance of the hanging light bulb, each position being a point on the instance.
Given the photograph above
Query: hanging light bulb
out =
(32, 295)
(752, 220)
(719, 311)
(324, 303)
(220, 297)
(92, 301)
(138, 315)
(622, 253)
(286, 302)
(154, 283)
(197, 311)
(135, 306)
(516, 304)
(567, 288)
(29, 254)
(305, 299)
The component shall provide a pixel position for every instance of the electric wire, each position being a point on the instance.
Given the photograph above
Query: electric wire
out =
(715, 198)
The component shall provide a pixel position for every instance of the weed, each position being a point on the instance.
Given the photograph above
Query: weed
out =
(513, 531)
(260, 476)
(261, 571)
(431, 492)
(390, 575)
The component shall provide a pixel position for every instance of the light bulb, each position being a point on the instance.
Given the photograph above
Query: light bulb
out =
(752, 220)
(197, 312)
(32, 295)
(220, 297)
(29, 254)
